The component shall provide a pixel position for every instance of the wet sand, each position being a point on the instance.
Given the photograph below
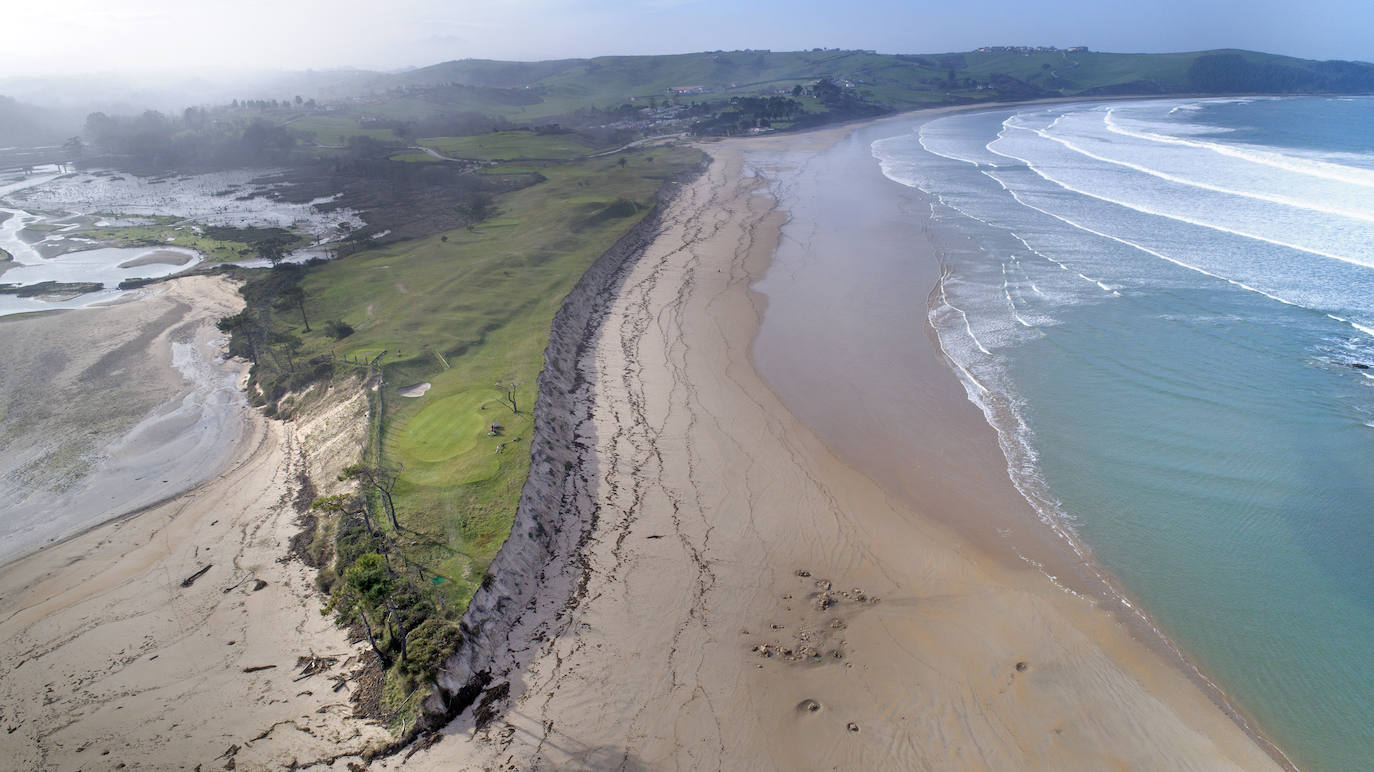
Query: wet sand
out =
(160, 257)
(113, 409)
(118, 650)
(746, 599)
(170, 638)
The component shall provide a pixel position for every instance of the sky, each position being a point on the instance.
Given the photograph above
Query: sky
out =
(181, 36)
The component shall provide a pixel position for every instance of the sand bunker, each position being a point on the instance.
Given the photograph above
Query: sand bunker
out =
(418, 390)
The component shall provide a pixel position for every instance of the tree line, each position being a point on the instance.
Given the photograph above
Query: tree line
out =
(195, 139)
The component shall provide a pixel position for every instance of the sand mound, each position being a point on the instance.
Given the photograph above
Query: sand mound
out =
(159, 257)
(418, 390)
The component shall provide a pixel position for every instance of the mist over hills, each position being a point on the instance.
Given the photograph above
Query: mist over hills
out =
(46, 110)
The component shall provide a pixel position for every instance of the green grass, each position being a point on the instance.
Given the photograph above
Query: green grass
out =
(172, 231)
(336, 129)
(499, 169)
(535, 91)
(415, 158)
(482, 301)
(512, 145)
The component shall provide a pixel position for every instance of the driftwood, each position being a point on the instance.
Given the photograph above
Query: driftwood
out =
(190, 580)
(313, 665)
(256, 668)
(258, 584)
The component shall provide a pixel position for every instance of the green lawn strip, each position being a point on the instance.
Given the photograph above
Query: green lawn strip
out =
(416, 158)
(511, 145)
(513, 168)
(171, 231)
(461, 311)
(336, 129)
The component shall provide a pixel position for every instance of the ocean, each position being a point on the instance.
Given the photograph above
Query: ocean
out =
(1166, 309)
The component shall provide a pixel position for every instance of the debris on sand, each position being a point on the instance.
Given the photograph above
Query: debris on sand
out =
(313, 665)
(190, 580)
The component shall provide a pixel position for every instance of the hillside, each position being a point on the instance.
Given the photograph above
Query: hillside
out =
(532, 90)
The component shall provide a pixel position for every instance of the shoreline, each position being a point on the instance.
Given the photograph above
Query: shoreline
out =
(1075, 569)
(110, 405)
(710, 503)
(571, 637)
(190, 606)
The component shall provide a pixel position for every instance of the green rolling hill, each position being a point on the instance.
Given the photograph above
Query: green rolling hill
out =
(533, 90)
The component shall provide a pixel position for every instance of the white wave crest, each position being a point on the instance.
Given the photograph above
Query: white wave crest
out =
(1308, 166)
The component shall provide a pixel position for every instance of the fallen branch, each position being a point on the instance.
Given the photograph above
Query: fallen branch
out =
(190, 580)
(272, 728)
(232, 587)
(256, 668)
(313, 665)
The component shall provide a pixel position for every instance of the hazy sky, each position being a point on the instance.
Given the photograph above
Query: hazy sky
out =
(86, 36)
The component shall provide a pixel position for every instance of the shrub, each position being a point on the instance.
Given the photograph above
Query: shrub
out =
(428, 645)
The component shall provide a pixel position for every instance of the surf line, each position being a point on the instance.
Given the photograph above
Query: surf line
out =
(1162, 256)
(1267, 198)
(1180, 218)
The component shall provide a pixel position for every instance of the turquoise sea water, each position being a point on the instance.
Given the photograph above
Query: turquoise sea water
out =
(1176, 298)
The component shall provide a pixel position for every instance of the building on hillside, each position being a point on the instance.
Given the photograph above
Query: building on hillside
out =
(1017, 49)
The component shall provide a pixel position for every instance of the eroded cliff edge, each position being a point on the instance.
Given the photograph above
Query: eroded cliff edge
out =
(539, 572)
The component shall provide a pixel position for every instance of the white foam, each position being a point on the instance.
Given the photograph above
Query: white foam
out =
(1296, 203)
(1308, 166)
(1006, 292)
(1140, 247)
(1135, 206)
(967, 327)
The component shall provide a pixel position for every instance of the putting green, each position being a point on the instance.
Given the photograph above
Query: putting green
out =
(445, 429)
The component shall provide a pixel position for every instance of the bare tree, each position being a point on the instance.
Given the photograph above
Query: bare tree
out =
(379, 478)
(345, 505)
(509, 387)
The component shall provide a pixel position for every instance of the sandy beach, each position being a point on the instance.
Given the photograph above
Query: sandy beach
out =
(173, 638)
(732, 587)
(746, 599)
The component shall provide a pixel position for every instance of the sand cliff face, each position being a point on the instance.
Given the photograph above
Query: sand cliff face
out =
(331, 430)
(538, 571)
